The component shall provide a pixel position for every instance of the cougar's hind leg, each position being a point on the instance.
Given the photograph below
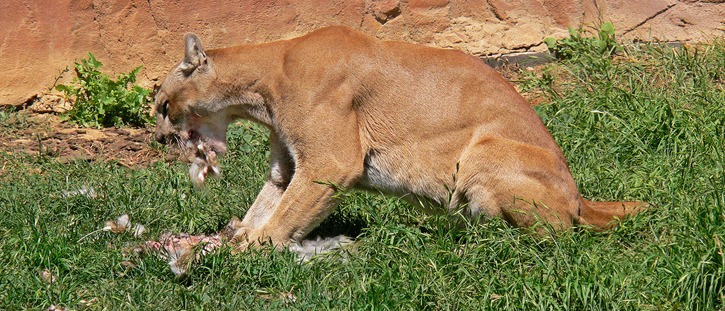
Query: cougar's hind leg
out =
(522, 183)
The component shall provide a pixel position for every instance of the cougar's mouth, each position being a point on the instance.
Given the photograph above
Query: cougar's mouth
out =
(205, 150)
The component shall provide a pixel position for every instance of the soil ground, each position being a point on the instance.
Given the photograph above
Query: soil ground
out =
(45, 133)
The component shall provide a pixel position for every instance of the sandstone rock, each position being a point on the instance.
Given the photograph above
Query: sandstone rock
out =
(426, 6)
(385, 10)
(40, 38)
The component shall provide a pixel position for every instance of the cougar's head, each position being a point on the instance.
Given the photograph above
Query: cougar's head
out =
(189, 111)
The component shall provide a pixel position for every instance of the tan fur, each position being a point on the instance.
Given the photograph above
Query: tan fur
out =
(347, 110)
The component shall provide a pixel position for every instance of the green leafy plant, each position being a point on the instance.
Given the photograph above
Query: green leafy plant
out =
(99, 101)
(604, 44)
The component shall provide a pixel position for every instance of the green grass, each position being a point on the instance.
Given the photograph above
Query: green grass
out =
(648, 125)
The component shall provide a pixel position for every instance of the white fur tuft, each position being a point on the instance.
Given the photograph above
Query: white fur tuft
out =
(197, 172)
(307, 249)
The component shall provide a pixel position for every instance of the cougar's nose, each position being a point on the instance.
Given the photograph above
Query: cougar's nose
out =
(161, 138)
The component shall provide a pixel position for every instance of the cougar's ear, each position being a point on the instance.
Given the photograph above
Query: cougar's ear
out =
(194, 56)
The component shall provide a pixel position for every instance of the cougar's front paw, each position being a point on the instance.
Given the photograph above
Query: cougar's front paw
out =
(230, 229)
(244, 238)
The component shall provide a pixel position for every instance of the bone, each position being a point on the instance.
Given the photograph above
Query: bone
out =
(182, 250)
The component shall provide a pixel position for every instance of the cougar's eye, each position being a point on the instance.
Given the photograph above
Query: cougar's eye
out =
(165, 108)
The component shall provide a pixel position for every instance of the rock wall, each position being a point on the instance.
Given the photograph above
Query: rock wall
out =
(39, 38)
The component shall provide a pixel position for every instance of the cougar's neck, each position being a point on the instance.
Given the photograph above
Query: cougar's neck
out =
(246, 76)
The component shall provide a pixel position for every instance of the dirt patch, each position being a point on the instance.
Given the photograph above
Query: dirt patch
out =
(43, 132)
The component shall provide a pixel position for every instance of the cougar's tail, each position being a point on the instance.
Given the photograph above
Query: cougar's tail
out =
(605, 215)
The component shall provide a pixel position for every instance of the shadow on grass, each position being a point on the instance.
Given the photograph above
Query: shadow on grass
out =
(340, 224)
